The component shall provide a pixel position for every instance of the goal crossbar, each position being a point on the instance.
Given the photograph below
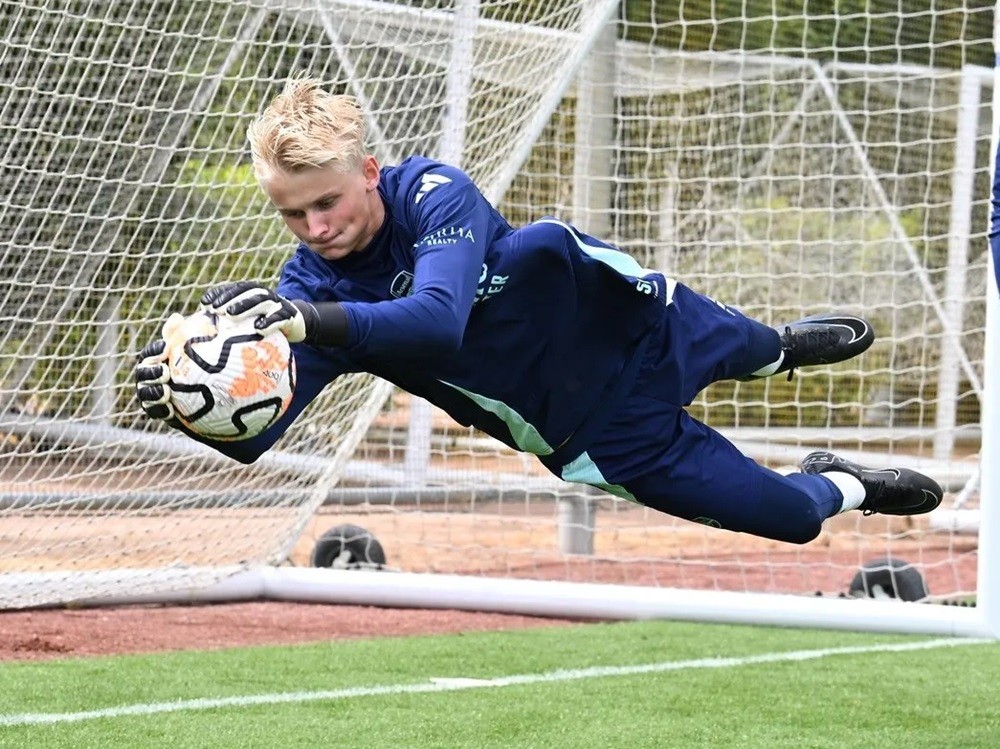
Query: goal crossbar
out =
(526, 597)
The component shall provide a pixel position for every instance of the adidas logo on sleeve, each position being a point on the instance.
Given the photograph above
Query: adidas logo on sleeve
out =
(427, 183)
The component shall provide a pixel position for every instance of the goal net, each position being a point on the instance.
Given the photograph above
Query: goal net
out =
(783, 165)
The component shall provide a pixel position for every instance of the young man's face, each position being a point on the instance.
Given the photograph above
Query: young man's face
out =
(334, 212)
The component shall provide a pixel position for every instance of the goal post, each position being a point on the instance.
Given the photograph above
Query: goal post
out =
(785, 165)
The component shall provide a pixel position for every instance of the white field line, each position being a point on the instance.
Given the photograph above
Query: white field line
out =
(455, 684)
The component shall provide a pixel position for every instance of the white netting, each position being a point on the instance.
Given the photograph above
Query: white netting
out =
(128, 191)
(783, 164)
(787, 181)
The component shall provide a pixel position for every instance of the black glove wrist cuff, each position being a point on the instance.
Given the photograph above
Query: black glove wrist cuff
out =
(326, 323)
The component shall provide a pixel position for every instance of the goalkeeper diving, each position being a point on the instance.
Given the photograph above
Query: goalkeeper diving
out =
(552, 341)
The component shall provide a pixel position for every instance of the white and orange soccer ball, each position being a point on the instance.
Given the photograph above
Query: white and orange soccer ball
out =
(228, 381)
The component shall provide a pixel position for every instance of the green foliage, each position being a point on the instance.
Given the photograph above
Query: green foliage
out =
(135, 187)
(939, 33)
(842, 398)
(245, 236)
(227, 231)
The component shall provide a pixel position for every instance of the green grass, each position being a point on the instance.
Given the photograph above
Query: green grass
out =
(941, 697)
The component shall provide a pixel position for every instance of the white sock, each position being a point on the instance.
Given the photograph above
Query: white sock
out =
(850, 487)
(771, 368)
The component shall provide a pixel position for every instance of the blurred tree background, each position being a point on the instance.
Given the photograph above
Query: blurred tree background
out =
(128, 187)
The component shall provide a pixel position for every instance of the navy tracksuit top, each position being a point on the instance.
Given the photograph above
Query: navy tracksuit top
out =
(529, 334)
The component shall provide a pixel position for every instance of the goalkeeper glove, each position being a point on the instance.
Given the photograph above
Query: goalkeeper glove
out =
(321, 324)
(245, 299)
(152, 374)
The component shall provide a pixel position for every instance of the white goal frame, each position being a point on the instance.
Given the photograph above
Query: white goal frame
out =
(590, 600)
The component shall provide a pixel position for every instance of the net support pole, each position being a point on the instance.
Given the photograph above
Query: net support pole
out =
(577, 520)
(458, 90)
(593, 155)
(108, 360)
(988, 579)
(602, 12)
(962, 186)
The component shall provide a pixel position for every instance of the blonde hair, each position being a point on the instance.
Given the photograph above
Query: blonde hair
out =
(305, 127)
